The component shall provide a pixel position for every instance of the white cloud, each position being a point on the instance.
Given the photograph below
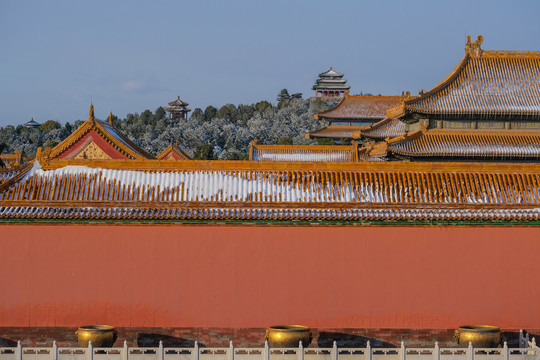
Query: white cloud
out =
(136, 86)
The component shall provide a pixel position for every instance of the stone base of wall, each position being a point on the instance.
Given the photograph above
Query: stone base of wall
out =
(244, 337)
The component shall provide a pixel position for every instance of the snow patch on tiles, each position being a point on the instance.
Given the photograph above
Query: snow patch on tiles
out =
(80, 183)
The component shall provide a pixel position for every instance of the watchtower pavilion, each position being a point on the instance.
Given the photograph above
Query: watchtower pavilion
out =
(330, 84)
(178, 109)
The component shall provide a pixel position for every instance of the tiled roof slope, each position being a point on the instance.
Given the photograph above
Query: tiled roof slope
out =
(386, 128)
(303, 152)
(178, 102)
(12, 174)
(373, 191)
(486, 83)
(336, 132)
(107, 132)
(359, 107)
(172, 152)
(470, 144)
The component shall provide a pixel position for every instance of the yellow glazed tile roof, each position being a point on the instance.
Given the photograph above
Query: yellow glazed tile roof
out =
(485, 83)
(471, 144)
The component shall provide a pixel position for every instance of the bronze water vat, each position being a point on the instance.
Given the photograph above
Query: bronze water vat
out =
(288, 336)
(482, 336)
(100, 335)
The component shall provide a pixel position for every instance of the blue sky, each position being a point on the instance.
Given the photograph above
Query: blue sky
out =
(129, 56)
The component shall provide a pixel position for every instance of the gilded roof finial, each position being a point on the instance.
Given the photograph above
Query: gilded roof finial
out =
(91, 112)
(473, 48)
(110, 118)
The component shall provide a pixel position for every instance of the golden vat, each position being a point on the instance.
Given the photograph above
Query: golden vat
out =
(288, 336)
(481, 336)
(100, 335)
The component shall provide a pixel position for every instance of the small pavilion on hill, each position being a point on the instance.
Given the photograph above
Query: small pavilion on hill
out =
(32, 124)
(178, 109)
(330, 84)
(352, 114)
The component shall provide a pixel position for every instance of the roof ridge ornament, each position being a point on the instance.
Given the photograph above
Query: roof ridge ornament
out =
(110, 118)
(407, 95)
(473, 48)
(91, 116)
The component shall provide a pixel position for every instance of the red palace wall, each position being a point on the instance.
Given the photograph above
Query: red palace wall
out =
(256, 276)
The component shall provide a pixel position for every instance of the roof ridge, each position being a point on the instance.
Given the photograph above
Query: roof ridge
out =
(482, 132)
(245, 165)
(510, 53)
(442, 84)
(302, 147)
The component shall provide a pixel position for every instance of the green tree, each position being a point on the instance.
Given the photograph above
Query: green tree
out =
(160, 113)
(262, 106)
(210, 113)
(204, 152)
(245, 112)
(285, 141)
(236, 155)
(197, 115)
(51, 143)
(228, 112)
(318, 105)
(325, 141)
(283, 95)
(283, 98)
(50, 125)
(146, 117)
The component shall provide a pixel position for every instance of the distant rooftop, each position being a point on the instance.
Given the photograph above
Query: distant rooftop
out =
(331, 72)
(359, 107)
(330, 83)
(31, 124)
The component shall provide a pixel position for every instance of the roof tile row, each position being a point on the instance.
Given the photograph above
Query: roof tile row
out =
(479, 144)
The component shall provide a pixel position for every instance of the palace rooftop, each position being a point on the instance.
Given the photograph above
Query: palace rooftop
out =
(330, 84)
(97, 173)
